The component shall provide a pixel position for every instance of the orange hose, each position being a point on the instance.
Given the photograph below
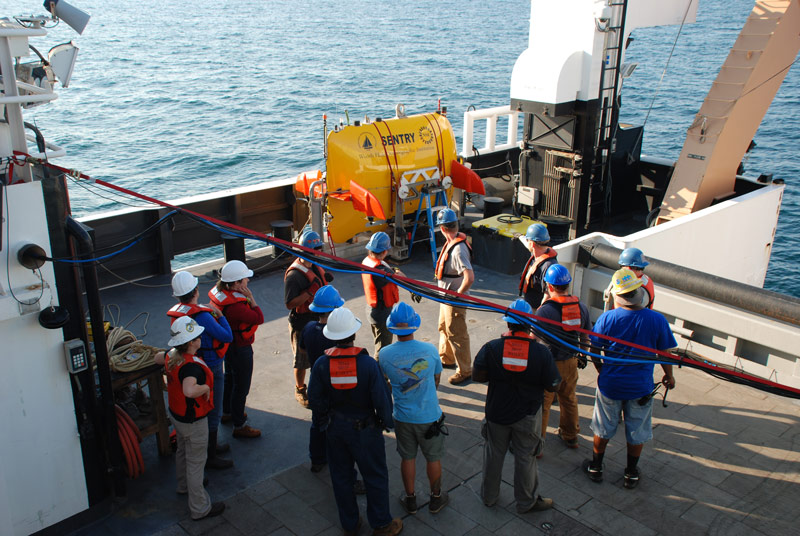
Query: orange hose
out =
(128, 439)
(122, 413)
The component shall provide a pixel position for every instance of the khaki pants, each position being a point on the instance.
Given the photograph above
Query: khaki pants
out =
(567, 400)
(190, 463)
(454, 338)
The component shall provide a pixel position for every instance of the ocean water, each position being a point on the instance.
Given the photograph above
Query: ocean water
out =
(181, 98)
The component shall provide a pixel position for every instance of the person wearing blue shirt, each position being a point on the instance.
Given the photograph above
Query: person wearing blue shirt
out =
(624, 390)
(414, 369)
(216, 336)
(349, 399)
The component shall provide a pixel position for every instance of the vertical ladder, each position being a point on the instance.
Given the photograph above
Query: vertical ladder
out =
(609, 111)
(440, 201)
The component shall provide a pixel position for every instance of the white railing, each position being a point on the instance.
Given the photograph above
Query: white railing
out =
(490, 115)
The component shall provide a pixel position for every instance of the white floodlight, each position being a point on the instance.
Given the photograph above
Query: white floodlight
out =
(74, 17)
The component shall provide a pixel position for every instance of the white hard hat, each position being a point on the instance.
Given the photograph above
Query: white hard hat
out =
(235, 271)
(183, 283)
(183, 330)
(341, 324)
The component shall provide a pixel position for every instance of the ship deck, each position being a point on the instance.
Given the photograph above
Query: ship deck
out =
(725, 458)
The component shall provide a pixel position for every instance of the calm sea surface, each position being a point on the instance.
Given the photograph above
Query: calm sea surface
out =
(177, 98)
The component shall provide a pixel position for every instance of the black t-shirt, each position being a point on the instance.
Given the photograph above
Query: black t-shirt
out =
(514, 395)
(192, 370)
(535, 292)
(314, 342)
(552, 311)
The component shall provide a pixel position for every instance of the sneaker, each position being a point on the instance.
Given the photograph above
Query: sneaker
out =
(246, 432)
(571, 443)
(301, 394)
(216, 509)
(409, 503)
(317, 467)
(354, 532)
(595, 474)
(459, 378)
(448, 365)
(542, 503)
(631, 478)
(395, 527)
(438, 502)
(359, 488)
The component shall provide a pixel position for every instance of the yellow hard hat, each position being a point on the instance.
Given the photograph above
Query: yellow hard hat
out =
(624, 281)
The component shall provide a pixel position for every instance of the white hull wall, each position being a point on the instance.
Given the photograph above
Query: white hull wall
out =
(732, 239)
(41, 474)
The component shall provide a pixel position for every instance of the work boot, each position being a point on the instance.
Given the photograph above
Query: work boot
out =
(409, 502)
(542, 503)
(570, 443)
(459, 377)
(438, 501)
(395, 527)
(214, 461)
(246, 432)
(301, 394)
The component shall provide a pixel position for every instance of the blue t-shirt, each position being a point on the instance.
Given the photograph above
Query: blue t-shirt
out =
(214, 329)
(645, 327)
(411, 367)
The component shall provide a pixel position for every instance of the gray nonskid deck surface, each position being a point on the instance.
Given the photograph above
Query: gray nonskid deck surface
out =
(725, 458)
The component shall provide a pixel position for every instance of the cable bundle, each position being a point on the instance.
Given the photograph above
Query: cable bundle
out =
(129, 438)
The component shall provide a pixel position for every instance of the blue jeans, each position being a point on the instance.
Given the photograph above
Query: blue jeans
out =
(219, 389)
(238, 373)
(365, 448)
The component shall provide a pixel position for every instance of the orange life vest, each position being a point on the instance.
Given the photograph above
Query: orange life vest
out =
(648, 285)
(224, 298)
(191, 309)
(570, 310)
(179, 403)
(315, 282)
(516, 345)
(445, 254)
(344, 374)
(390, 294)
(530, 268)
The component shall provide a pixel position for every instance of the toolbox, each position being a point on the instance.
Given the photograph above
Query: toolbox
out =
(495, 246)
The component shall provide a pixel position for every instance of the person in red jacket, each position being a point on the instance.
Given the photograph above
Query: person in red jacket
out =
(190, 385)
(239, 306)
(381, 293)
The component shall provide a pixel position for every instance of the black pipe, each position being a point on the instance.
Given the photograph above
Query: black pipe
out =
(747, 297)
(115, 456)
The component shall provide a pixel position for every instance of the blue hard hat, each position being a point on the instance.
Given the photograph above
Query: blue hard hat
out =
(518, 305)
(557, 275)
(446, 215)
(632, 257)
(537, 232)
(310, 239)
(326, 300)
(379, 242)
(403, 313)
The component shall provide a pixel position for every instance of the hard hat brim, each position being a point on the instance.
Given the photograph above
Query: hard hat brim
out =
(343, 334)
(183, 338)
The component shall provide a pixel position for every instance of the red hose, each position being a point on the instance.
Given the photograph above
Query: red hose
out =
(129, 438)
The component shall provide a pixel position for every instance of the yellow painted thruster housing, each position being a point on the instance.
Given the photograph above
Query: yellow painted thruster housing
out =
(368, 153)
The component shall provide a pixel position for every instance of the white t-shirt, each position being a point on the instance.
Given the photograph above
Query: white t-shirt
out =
(457, 263)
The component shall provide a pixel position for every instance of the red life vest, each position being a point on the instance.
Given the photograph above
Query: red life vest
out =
(191, 309)
(390, 294)
(315, 282)
(445, 254)
(344, 374)
(648, 285)
(570, 311)
(516, 345)
(179, 403)
(224, 298)
(530, 268)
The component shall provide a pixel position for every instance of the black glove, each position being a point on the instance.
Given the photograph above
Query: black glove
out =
(416, 297)
(582, 361)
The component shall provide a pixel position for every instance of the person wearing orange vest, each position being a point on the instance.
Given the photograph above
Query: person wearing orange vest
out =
(350, 400)
(531, 283)
(454, 272)
(301, 281)
(634, 260)
(381, 293)
(562, 307)
(236, 301)
(216, 337)
(190, 386)
(518, 370)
